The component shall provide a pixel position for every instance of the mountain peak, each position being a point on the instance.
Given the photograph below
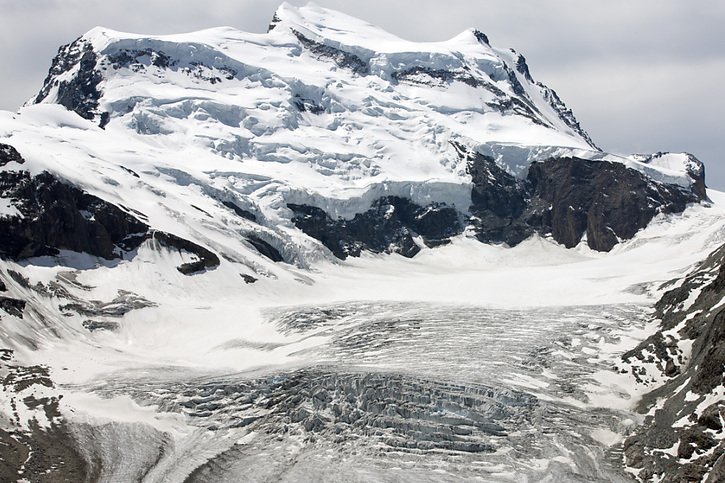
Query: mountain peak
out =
(341, 29)
(317, 57)
(330, 24)
(324, 76)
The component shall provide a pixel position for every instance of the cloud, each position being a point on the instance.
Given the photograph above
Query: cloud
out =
(641, 76)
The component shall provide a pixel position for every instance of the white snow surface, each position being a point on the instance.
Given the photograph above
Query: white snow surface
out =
(7, 209)
(213, 321)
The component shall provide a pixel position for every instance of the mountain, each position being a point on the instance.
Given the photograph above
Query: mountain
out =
(224, 254)
(339, 119)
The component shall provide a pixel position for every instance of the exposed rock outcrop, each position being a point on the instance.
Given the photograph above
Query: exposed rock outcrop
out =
(605, 201)
(498, 202)
(94, 325)
(55, 215)
(78, 92)
(682, 438)
(389, 226)
(567, 198)
(37, 444)
(123, 303)
(341, 58)
(427, 76)
(564, 112)
(12, 306)
(140, 60)
(9, 154)
(206, 260)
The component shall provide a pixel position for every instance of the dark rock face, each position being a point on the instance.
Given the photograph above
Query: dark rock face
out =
(80, 93)
(342, 59)
(388, 226)
(12, 306)
(498, 201)
(94, 325)
(273, 23)
(37, 453)
(123, 303)
(58, 216)
(9, 154)
(564, 112)
(140, 60)
(265, 249)
(417, 74)
(481, 37)
(568, 198)
(206, 259)
(688, 381)
(248, 279)
(607, 201)
(131, 58)
(552, 98)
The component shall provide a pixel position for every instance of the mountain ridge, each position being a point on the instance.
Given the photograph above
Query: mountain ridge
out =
(330, 78)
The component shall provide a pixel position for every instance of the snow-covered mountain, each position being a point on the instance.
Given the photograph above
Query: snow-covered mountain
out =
(175, 209)
(326, 117)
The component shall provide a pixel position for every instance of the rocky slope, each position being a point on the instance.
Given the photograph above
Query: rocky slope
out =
(683, 437)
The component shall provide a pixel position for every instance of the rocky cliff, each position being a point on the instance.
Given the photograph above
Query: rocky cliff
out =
(568, 199)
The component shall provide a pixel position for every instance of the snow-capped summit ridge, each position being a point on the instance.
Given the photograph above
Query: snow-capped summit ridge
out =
(330, 24)
(324, 76)
(345, 29)
(183, 208)
(319, 53)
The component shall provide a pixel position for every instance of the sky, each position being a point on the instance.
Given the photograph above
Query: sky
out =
(641, 76)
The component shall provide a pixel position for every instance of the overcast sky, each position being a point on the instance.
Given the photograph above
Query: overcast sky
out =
(640, 75)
